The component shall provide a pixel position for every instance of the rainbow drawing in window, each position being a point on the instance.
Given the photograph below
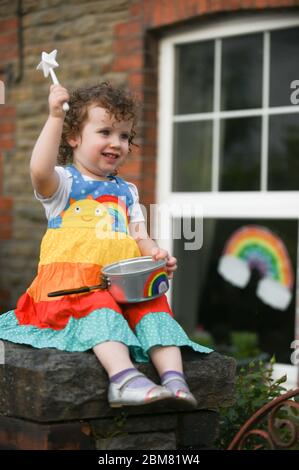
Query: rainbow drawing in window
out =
(256, 247)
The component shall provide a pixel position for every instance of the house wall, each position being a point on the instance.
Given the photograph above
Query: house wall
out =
(113, 40)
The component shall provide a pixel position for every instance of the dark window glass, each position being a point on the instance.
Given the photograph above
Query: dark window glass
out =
(192, 162)
(194, 77)
(240, 149)
(283, 163)
(201, 296)
(242, 65)
(283, 65)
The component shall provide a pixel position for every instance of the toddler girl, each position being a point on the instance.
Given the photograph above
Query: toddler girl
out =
(85, 204)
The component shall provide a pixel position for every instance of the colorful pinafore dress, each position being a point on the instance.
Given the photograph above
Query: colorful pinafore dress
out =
(91, 232)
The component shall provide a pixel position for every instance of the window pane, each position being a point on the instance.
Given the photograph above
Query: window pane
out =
(221, 307)
(194, 77)
(284, 65)
(192, 162)
(283, 172)
(240, 154)
(242, 66)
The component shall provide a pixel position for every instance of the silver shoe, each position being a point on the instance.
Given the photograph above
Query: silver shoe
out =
(120, 395)
(183, 398)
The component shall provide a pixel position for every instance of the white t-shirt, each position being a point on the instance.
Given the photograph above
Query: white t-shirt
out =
(55, 204)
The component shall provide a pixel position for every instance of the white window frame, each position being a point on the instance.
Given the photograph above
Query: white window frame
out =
(217, 204)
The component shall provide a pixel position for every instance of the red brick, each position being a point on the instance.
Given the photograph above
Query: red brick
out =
(7, 111)
(261, 3)
(148, 8)
(136, 9)
(6, 127)
(147, 184)
(5, 233)
(8, 24)
(149, 150)
(203, 6)
(130, 45)
(136, 80)
(150, 134)
(169, 11)
(158, 18)
(195, 7)
(150, 166)
(180, 10)
(150, 115)
(233, 5)
(5, 220)
(8, 53)
(136, 181)
(215, 6)
(132, 167)
(6, 144)
(126, 30)
(6, 203)
(135, 154)
(122, 64)
(8, 39)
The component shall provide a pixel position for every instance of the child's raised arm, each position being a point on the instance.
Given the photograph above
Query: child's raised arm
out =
(44, 156)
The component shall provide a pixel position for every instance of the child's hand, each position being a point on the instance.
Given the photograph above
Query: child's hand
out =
(171, 261)
(58, 95)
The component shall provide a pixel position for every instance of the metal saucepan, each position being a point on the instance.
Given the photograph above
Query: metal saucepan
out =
(131, 280)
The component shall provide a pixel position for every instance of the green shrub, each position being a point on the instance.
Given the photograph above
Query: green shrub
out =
(254, 388)
(244, 344)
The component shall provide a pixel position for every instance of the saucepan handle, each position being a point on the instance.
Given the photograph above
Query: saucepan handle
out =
(80, 290)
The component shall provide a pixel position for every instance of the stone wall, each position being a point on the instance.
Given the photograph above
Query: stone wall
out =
(53, 399)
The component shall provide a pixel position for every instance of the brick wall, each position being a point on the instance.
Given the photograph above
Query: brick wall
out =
(8, 58)
(113, 40)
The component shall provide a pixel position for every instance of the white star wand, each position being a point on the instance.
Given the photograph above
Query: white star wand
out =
(47, 64)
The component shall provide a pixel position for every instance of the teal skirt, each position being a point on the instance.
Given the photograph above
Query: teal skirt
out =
(154, 329)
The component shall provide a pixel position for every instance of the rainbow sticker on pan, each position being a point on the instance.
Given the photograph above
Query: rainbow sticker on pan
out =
(256, 247)
(156, 284)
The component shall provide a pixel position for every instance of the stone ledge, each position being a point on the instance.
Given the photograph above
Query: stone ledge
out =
(193, 430)
(48, 385)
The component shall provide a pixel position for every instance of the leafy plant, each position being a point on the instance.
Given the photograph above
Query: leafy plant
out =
(244, 344)
(254, 388)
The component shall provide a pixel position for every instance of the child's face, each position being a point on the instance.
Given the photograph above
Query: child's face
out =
(102, 145)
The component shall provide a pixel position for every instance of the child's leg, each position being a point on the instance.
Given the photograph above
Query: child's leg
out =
(166, 358)
(168, 362)
(127, 386)
(115, 359)
(113, 356)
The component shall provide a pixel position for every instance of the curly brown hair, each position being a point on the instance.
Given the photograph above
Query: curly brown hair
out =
(118, 102)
